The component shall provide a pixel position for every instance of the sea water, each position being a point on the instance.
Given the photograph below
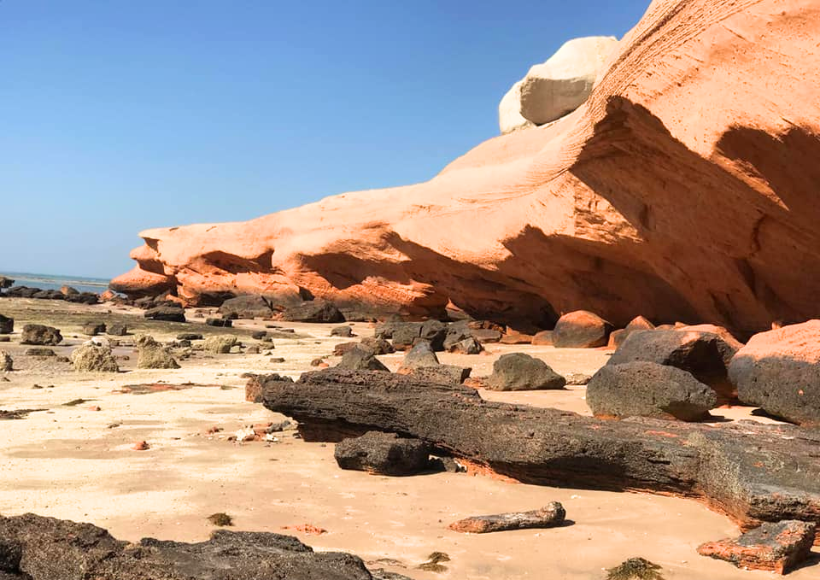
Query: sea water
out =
(51, 282)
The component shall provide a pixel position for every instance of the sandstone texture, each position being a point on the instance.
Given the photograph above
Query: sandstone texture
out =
(509, 111)
(683, 189)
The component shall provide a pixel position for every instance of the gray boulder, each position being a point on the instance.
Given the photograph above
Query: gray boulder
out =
(361, 359)
(383, 454)
(521, 372)
(421, 355)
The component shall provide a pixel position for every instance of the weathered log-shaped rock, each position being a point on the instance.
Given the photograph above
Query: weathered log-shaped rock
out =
(384, 454)
(548, 516)
(779, 371)
(314, 311)
(38, 548)
(704, 354)
(752, 472)
(447, 374)
(776, 547)
(521, 372)
(645, 389)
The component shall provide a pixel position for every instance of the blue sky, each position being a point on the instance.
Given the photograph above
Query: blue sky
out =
(119, 116)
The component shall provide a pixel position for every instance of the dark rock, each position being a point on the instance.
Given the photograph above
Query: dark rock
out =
(421, 355)
(456, 333)
(521, 372)
(38, 548)
(378, 345)
(434, 332)
(5, 339)
(247, 306)
(277, 360)
(779, 371)
(259, 334)
(166, 313)
(117, 329)
(645, 389)
(445, 374)
(256, 384)
(750, 471)
(41, 352)
(6, 325)
(704, 354)
(549, 516)
(343, 331)
(219, 322)
(343, 347)
(405, 335)
(6, 282)
(189, 336)
(41, 335)
(93, 328)
(775, 547)
(384, 454)
(581, 329)
(361, 359)
(313, 311)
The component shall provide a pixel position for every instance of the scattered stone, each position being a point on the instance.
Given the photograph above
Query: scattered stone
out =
(247, 306)
(361, 359)
(117, 329)
(421, 355)
(434, 332)
(405, 335)
(166, 313)
(307, 529)
(383, 454)
(189, 336)
(93, 358)
(6, 325)
(153, 355)
(635, 569)
(318, 362)
(550, 516)
(41, 335)
(93, 328)
(75, 402)
(219, 344)
(313, 311)
(6, 362)
(704, 354)
(581, 329)
(220, 519)
(779, 371)
(521, 372)
(646, 389)
(40, 352)
(775, 547)
(343, 331)
(467, 346)
(5, 339)
(219, 322)
(62, 359)
(543, 338)
(378, 345)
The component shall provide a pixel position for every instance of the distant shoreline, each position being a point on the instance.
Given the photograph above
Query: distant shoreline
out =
(55, 282)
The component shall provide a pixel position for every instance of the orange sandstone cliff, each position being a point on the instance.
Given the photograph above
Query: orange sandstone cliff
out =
(686, 188)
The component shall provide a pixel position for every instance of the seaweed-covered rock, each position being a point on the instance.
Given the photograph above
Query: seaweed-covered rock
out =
(153, 355)
(704, 354)
(41, 335)
(521, 372)
(779, 371)
(219, 344)
(645, 389)
(313, 311)
(361, 359)
(776, 547)
(404, 335)
(581, 329)
(383, 453)
(94, 358)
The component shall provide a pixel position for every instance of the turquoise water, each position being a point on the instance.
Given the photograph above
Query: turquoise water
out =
(51, 282)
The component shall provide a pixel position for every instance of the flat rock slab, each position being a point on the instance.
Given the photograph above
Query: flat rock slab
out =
(776, 547)
(750, 471)
(547, 517)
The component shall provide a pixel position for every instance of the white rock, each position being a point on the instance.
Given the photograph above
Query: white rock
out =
(509, 111)
(564, 82)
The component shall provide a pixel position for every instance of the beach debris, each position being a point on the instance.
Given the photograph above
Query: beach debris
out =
(141, 446)
(307, 529)
(383, 454)
(433, 563)
(41, 335)
(775, 547)
(549, 516)
(635, 569)
(75, 402)
(220, 519)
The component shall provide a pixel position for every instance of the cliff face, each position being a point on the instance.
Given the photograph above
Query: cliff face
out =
(686, 188)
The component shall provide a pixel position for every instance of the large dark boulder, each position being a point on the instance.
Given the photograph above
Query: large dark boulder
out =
(38, 548)
(646, 389)
(384, 454)
(704, 354)
(434, 332)
(40, 335)
(521, 372)
(581, 329)
(247, 306)
(314, 311)
(421, 355)
(166, 313)
(361, 359)
(779, 371)
(6, 325)
(405, 334)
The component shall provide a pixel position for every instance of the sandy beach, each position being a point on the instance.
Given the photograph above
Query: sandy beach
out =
(78, 463)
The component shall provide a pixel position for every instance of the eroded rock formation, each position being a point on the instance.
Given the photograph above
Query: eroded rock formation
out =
(685, 188)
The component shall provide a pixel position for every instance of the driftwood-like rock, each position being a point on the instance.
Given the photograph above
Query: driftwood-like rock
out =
(752, 472)
(549, 516)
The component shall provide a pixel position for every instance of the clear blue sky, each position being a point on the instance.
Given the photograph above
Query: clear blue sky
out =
(117, 116)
